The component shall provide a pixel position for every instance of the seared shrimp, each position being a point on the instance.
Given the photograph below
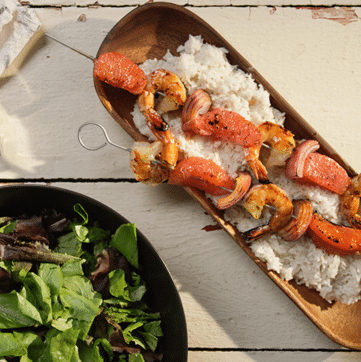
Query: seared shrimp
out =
(152, 163)
(220, 124)
(281, 142)
(350, 202)
(272, 195)
(161, 80)
(298, 225)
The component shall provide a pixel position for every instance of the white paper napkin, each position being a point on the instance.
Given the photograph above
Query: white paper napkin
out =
(18, 24)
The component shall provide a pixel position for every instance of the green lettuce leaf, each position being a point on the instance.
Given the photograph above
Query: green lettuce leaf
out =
(135, 357)
(52, 275)
(10, 346)
(37, 293)
(8, 228)
(17, 312)
(59, 345)
(32, 343)
(79, 209)
(83, 310)
(72, 267)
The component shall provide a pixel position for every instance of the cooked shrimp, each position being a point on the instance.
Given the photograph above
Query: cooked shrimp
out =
(350, 202)
(272, 195)
(152, 163)
(281, 142)
(120, 72)
(220, 124)
(161, 80)
(297, 226)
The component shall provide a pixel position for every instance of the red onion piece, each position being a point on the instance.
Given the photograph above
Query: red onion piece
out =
(296, 163)
(243, 183)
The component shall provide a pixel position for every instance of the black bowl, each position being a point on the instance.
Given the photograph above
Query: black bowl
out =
(163, 296)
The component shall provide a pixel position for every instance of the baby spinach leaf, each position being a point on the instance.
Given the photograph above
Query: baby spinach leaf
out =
(101, 345)
(117, 283)
(150, 339)
(69, 244)
(129, 337)
(135, 293)
(95, 234)
(119, 287)
(125, 240)
(154, 328)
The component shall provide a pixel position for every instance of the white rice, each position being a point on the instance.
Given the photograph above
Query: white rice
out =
(204, 66)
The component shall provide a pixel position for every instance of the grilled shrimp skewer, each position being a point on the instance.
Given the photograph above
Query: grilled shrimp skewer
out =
(254, 202)
(152, 163)
(280, 142)
(161, 80)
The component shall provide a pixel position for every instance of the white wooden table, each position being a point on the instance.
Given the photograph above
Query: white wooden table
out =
(309, 50)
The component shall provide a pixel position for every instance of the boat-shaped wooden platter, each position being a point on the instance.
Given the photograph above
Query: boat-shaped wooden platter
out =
(148, 32)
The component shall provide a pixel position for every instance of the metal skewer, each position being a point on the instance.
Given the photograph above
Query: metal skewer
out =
(107, 139)
(68, 46)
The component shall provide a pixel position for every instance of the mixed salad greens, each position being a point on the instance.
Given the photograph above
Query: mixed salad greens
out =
(71, 291)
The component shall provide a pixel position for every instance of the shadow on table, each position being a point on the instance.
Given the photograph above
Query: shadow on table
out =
(253, 315)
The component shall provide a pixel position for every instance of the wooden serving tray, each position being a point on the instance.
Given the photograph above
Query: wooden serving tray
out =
(148, 32)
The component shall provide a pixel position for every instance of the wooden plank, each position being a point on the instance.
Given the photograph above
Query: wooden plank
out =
(277, 356)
